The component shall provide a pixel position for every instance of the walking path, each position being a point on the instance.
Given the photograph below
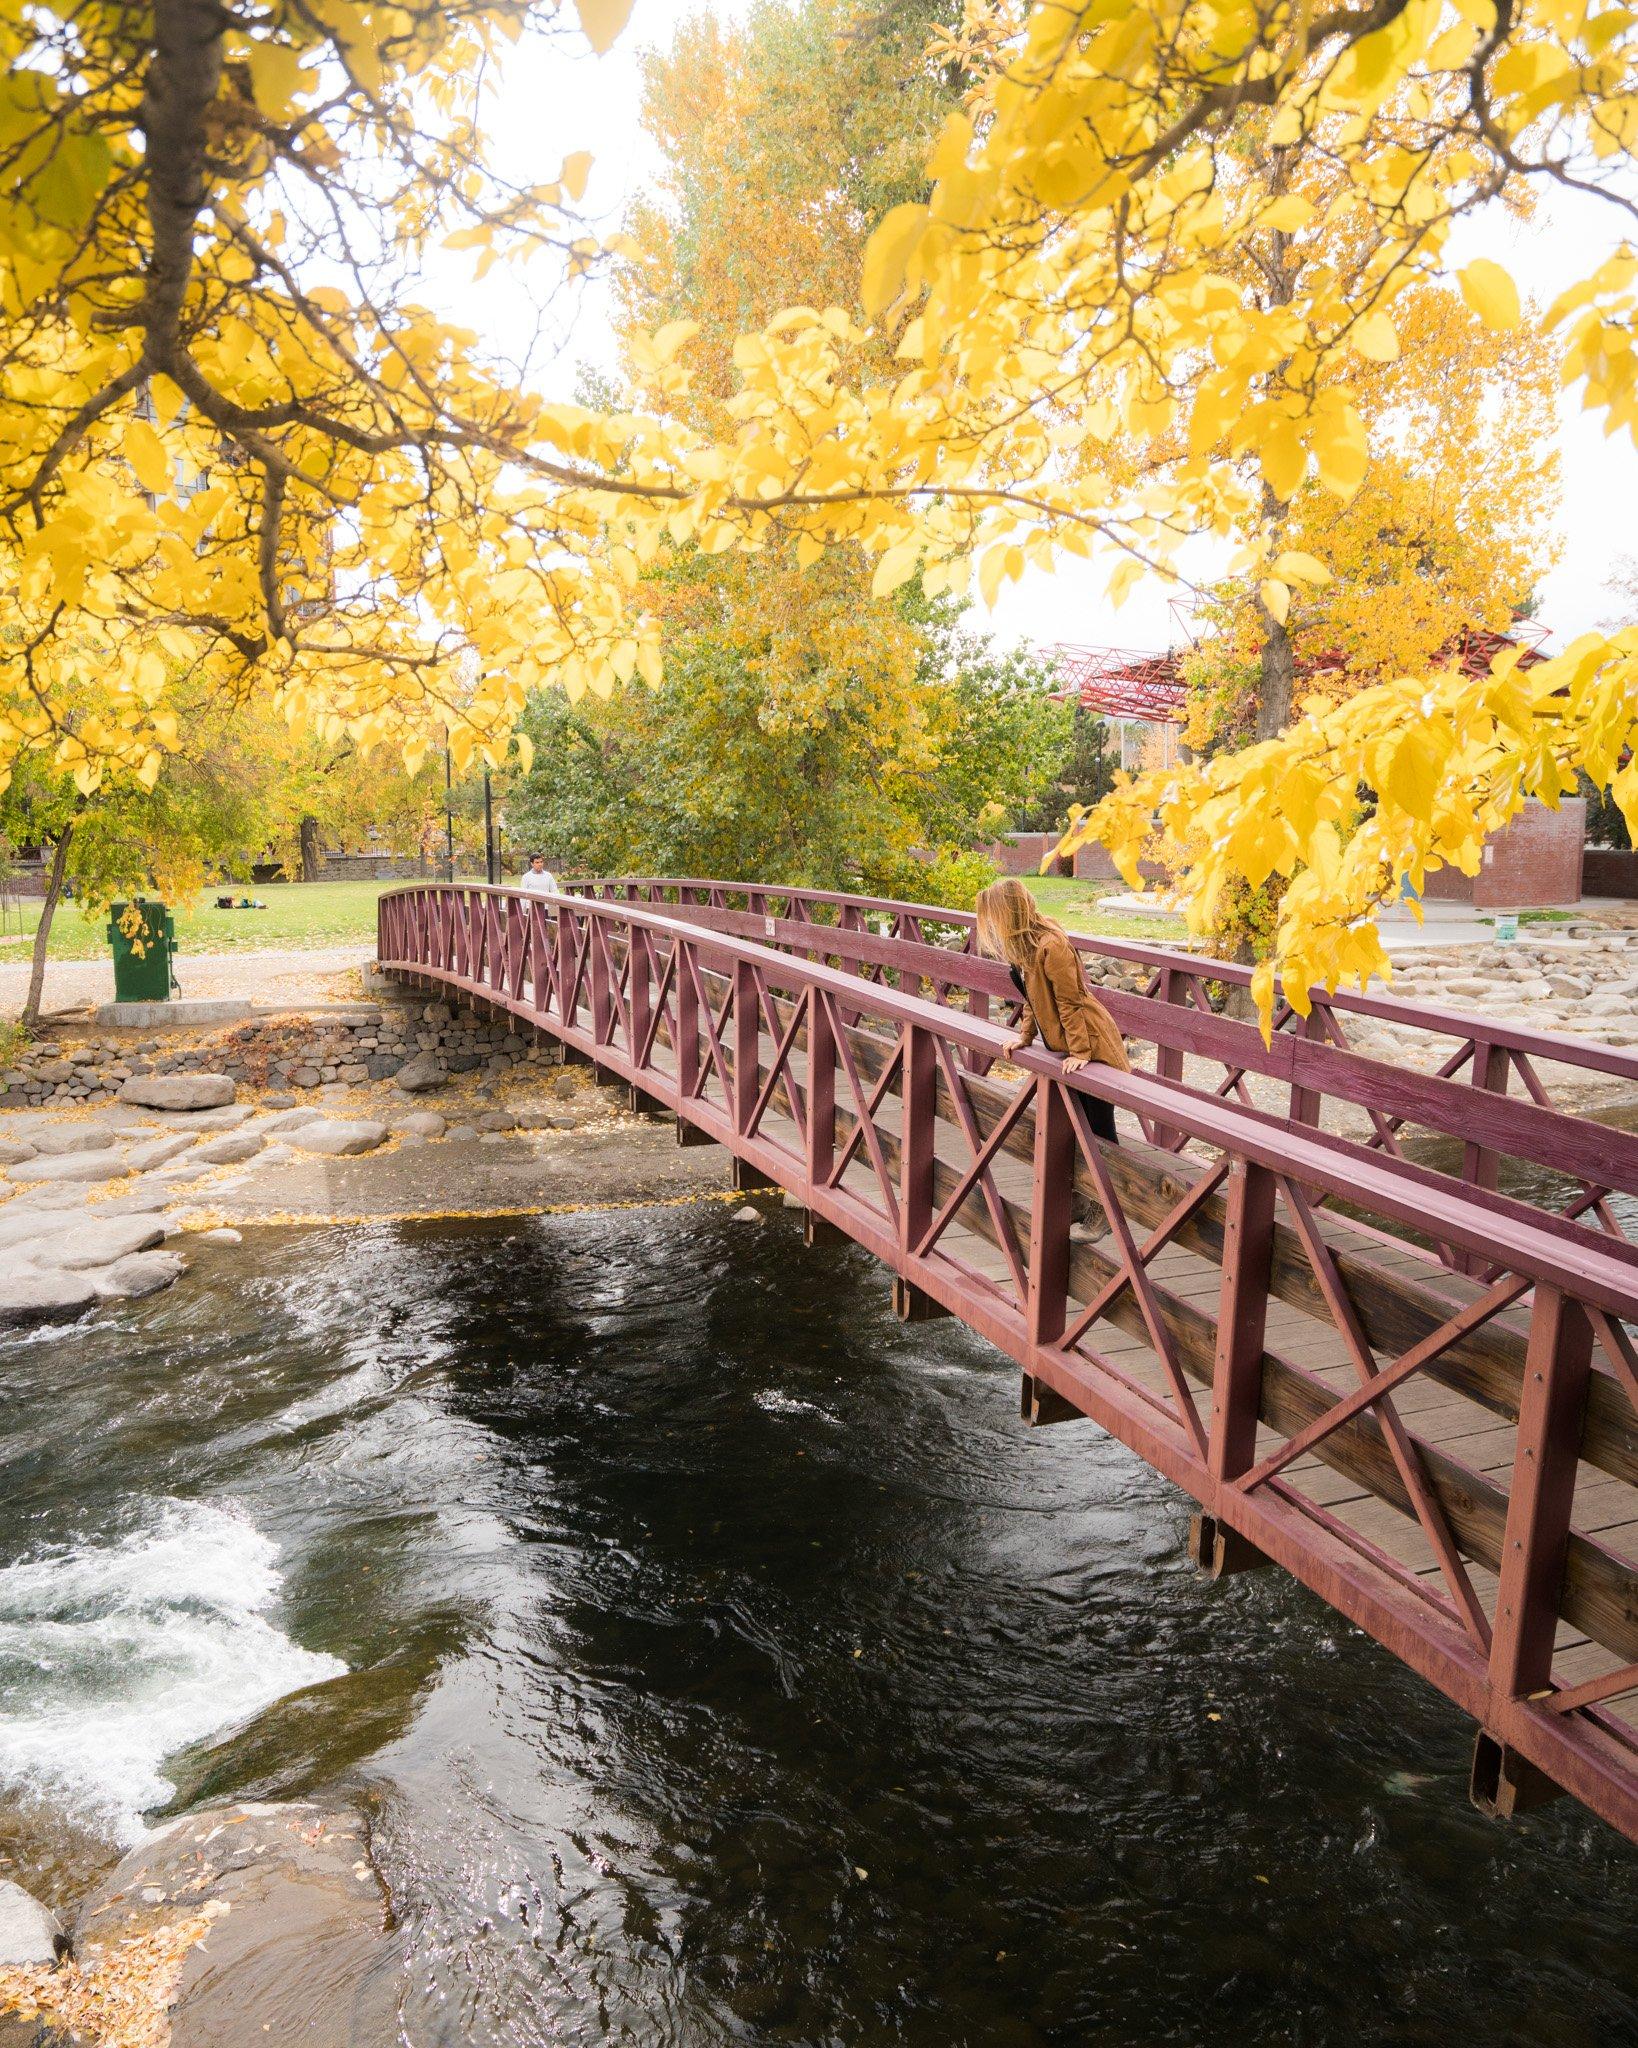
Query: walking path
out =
(316, 975)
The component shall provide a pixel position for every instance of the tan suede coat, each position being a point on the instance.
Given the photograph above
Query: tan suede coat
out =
(1065, 1012)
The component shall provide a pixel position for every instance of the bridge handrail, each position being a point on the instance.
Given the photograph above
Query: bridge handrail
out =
(1562, 1048)
(1496, 1227)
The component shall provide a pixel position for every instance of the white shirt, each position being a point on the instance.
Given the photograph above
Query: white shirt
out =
(543, 884)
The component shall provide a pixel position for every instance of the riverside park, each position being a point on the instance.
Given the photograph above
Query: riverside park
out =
(818, 1026)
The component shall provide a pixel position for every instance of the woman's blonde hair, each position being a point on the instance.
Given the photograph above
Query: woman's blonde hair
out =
(1010, 924)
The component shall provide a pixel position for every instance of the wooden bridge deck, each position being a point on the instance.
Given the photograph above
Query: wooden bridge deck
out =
(1477, 1510)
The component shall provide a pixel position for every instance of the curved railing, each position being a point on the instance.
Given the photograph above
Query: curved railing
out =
(1450, 1458)
(1309, 1058)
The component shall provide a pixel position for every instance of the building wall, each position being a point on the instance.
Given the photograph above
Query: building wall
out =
(1609, 871)
(1533, 863)
(1021, 853)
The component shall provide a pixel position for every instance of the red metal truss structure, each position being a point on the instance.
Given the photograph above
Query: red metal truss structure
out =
(1129, 682)
(1413, 1391)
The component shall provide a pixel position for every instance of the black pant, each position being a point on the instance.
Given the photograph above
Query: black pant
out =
(1103, 1119)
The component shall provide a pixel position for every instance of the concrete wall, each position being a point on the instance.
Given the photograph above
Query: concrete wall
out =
(1609, 871)
(1533, 863)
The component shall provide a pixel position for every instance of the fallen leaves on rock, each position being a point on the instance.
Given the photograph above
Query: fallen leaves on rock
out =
(117, 1994)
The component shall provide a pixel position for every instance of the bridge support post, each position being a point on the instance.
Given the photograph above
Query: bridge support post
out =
(1504, 1784)
(818, 1229)
(1039, 1404)
(1221, 1552)
(911, 1305)
(691, 1134)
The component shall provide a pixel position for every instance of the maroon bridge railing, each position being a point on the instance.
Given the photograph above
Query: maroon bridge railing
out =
(1447, 1453)
(1489, 1130)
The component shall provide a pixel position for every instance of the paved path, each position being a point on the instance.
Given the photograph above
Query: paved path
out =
(320, 974)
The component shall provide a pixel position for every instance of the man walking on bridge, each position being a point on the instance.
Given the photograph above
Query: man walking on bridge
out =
(538, 879)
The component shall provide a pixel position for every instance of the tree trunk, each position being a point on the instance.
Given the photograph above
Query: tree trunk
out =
(311, 859)
(1278, 679)
(42, 935)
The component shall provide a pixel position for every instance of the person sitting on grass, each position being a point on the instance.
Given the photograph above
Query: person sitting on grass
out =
(538, 879)
(1058, 1005)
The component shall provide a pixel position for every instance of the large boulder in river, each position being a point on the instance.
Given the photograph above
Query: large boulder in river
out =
(179, 1091)
(28, 1298)
(30, 1934)
(142, 1273)
(298, 1948)
(339, 1137)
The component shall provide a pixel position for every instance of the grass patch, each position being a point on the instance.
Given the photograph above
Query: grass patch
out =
(1078, 907)
(299, 916)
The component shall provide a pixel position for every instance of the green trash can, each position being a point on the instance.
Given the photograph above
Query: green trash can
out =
(143, 936)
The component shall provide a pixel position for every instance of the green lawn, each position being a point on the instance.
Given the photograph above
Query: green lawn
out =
(1078, 908)
(298, 915)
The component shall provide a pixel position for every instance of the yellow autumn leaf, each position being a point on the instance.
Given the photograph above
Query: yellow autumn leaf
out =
(602, 21)
(1376, 338)
(1297, 566)
(145, 452)
(1276, 599)
(897, 566)
(1490, 293)
(886, 255)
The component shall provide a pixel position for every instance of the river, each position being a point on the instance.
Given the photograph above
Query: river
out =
(722, 1662)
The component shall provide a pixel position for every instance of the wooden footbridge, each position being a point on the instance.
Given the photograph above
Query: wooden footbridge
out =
(1414, 1390)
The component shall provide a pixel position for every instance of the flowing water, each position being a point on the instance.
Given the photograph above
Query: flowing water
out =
(722, 1662)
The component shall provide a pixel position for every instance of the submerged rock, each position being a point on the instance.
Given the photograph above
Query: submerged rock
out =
(179, 1091)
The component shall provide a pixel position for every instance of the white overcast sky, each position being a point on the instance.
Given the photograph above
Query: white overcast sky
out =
(562, 98)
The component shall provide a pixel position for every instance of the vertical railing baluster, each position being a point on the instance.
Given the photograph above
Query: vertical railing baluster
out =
(821, 1090)
(747, 1022)
(1481, 1164)
(688, 1021)
(919, 1102)
(1051, 1207)
(639, 993)
(567, 920)
(597, 947)
(1237, 1367)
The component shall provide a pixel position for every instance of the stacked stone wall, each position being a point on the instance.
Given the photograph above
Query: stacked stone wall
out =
(354, 1043)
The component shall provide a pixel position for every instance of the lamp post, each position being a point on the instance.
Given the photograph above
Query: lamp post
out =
(489, 863)
(449, 817)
